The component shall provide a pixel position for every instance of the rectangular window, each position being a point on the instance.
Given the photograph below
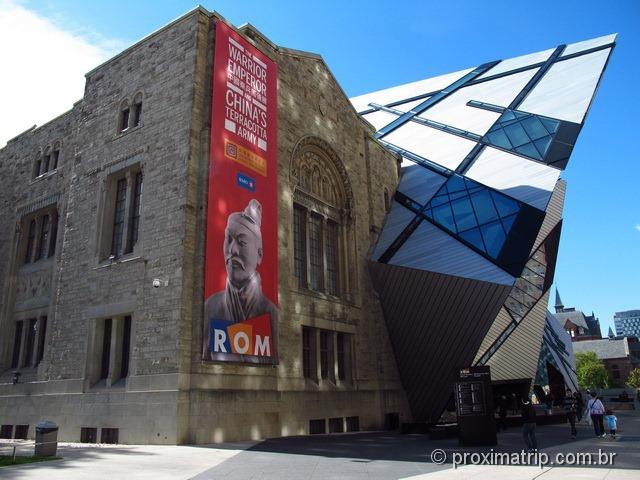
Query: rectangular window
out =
(353, 424)
(31, 238)
(54, 235)
(109, 435)
(6, 431)
(124, 119)
(299, 246)
(43, 242)
(88, 435)
(315, 252)
(22, 432)
(118, 217)
(17, 344)
(30, 340)
(56, 157)
(45, 164)
(134, 217)
(137, 114)
(341, 355)
(307, 357)
(41, 339)
(106, 349)
(325, 354)
(126, 347)
(37, 167)
(332, 258)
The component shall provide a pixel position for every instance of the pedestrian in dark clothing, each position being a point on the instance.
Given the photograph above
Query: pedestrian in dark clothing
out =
(571, 408)
(528, 414)
(596, 410)
(503, 405)
(580, 402)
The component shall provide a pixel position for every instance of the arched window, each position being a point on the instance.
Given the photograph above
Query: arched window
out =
(321, 218)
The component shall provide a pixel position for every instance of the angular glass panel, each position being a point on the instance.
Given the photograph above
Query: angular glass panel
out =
(533, 277)
(542, 145)
(529, 150)
(550, 125)
(429, 213)
(439, 200)
(507, 115)
(540, 256)
(494, 238)
(455, 184)
(463, 213)
(499, 139)
(456, 195)
(507, 222)
(534, 128)
(517, 135)
(537, 267)
(474, 238)
(483, 205)
(444, 217)
(520, 114)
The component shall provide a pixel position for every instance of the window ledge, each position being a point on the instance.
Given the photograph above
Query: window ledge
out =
(48, 174)
(127, 131)
(322, 295)
(40, 264)
(128, 258)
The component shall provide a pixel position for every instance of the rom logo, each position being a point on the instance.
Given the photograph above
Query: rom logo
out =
(252, 337)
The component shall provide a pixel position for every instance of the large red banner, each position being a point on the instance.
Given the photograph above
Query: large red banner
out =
(241, 253)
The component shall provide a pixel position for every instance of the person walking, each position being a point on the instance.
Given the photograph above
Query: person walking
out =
(612, 423)
(503, 405)
(570, 404)
(596, 410)
(580, 405)
(528, 414)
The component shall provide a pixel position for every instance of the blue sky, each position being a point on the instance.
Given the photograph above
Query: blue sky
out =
(372, 45)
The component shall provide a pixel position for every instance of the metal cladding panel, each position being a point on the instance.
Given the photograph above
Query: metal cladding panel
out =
(396, 221)
(408, 90)
(566, 90)
(454, 110)
(553, 214)
(587, 44)
(405, 107)
(518, 355)
(518, 62)
(563, 360)
(501, 322)
(432, 249)
(419, 183)
(526, 180)
(435, 145)
(379, 118)
(436, 323)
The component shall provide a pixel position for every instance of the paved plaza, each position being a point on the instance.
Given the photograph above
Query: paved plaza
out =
(366, 456)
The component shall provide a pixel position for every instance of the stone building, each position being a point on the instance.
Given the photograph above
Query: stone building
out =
(101, 278)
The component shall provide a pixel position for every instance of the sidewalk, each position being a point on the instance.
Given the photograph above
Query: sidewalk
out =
(362, 456)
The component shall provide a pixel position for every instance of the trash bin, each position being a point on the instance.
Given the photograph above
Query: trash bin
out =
(46, 439)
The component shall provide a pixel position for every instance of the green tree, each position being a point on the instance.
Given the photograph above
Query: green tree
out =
(634, 378)
(591, 371)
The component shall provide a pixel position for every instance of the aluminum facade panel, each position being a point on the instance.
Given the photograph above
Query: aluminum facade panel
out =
(436, 323)
(523, 179)
(553, 213)
(454, 111)
(408, 90)
(419, 183)
(565, 91)
(397, 219)
(518, 355)
(518, 62)
(502, 321)
(429, 248)
(379, 119)
(587, 44)
(435, 145)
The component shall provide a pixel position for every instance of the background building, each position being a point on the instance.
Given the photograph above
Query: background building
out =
(389, 279)
(577, 324)
(619, 356)
(627, 323)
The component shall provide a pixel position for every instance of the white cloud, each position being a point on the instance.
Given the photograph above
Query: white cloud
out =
(638, 227)
(43, 68)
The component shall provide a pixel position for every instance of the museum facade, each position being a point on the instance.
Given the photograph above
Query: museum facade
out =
(215, 244)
